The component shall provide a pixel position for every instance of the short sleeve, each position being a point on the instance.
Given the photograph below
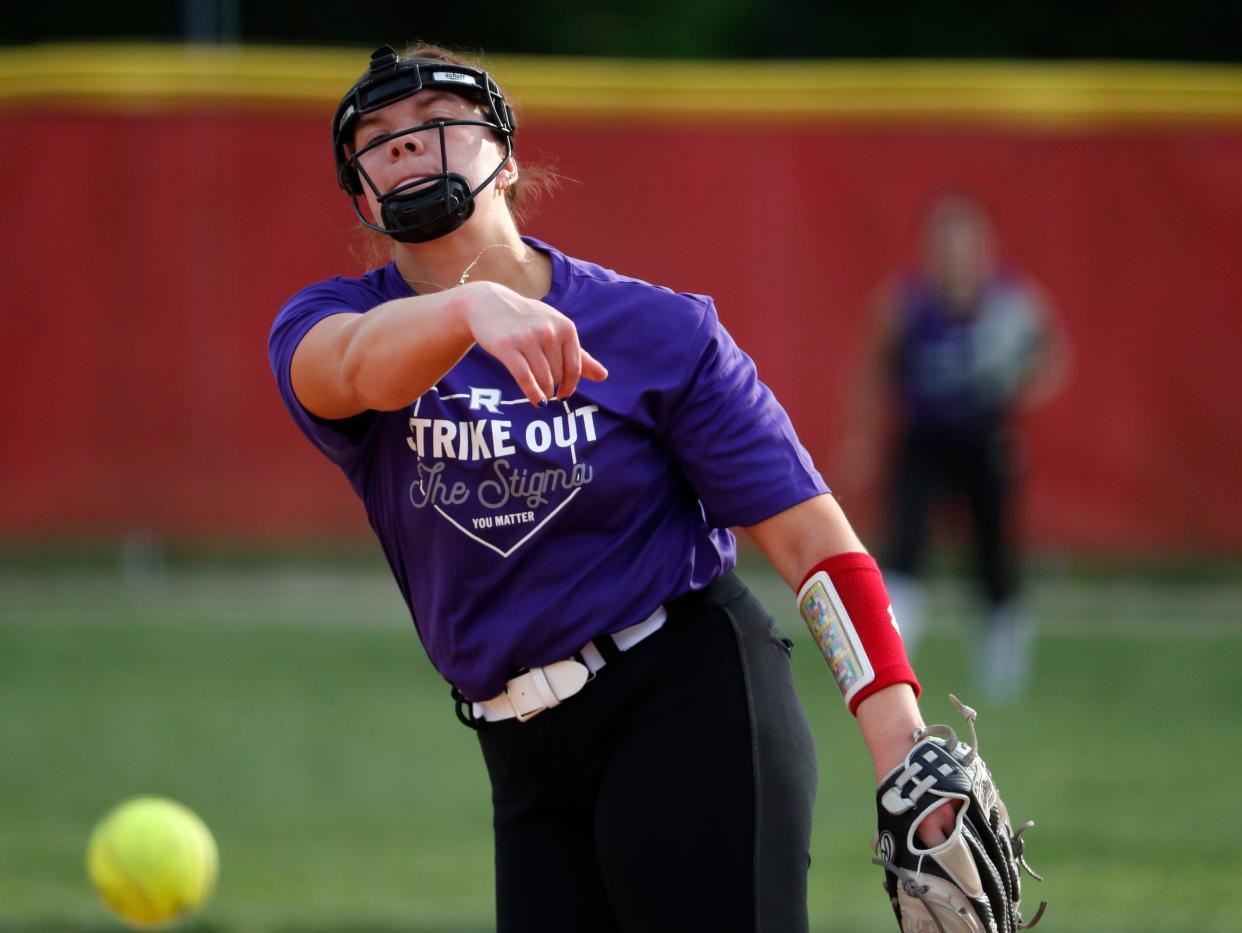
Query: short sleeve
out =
(731, 437)
(340, 441)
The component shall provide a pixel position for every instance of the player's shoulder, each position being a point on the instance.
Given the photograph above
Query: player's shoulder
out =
(1016, 291)
(909, 285)
(355, 293)
(336, 295)
(1010, 278)
(604, 289)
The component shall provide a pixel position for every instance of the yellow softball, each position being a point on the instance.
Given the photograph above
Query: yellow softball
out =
(152, 860)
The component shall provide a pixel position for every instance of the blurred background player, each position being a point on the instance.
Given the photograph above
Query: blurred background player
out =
(961, 345)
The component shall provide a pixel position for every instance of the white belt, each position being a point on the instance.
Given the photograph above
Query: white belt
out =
(540, 688)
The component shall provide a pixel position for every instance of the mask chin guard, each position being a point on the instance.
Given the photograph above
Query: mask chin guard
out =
(428, 209)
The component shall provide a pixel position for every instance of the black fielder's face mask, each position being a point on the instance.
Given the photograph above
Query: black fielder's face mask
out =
(436, 204)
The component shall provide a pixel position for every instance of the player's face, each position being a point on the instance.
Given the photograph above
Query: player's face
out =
(471, 151)
(959, 255)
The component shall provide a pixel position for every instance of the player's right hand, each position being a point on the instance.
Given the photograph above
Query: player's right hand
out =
(535, 342)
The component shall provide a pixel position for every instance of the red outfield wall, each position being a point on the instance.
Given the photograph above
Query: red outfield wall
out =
(146, 253)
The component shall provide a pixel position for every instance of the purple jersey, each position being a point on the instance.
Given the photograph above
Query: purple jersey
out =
(517, 534)
(960, 370)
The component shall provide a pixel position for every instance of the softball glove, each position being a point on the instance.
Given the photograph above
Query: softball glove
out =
(969, 883)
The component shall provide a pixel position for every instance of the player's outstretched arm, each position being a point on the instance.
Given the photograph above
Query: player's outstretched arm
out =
(802, 538)
(385, 359)
(950, 853)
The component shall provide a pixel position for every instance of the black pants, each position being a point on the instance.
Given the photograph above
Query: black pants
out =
(976, 469)
(673, 793)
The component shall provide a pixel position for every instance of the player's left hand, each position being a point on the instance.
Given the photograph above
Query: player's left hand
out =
(938, 825)
(950, 855)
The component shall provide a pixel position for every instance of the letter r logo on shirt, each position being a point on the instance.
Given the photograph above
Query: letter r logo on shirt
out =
(485, 398)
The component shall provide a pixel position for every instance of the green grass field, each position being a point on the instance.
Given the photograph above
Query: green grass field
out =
(294, 710)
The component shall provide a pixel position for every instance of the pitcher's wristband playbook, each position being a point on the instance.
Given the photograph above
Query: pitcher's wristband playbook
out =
(844, 604)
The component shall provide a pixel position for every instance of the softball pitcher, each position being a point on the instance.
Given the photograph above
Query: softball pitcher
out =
(551, 455)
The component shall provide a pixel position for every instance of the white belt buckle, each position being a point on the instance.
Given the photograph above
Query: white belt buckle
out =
(517, 713)
(547, 685)
(552, 683)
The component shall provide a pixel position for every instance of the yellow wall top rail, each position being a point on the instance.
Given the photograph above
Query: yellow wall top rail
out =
(153, 78)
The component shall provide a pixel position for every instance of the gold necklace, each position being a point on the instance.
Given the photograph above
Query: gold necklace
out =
(465, 275)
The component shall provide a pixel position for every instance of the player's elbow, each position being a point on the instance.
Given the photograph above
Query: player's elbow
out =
(356, 371)
(388, 358)
(381, 375)
(363, 378)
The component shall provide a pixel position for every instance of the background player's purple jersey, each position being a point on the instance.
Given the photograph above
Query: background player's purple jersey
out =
(961, 370)
(517, 534)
